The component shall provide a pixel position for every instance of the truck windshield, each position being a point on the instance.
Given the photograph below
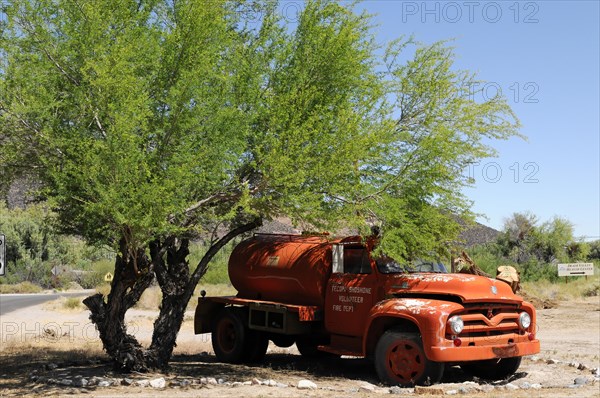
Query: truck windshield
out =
(387, 265)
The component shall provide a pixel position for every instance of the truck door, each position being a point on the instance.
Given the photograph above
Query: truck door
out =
(350, 291)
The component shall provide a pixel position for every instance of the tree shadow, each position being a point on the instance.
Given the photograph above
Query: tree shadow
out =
(41, 373)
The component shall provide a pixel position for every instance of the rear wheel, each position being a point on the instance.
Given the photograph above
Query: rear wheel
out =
(229, 337)
(493, 369)
(400, 360)
(255, 346)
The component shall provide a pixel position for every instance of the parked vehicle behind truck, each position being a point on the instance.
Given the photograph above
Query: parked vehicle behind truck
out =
(333, 297)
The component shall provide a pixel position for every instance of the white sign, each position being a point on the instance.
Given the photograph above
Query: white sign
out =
(575, 269)
(2, 255)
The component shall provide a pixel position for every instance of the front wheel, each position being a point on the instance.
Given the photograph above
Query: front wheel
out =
(400, 360)
(493, 369)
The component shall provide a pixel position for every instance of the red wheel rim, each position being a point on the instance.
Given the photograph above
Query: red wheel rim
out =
(405, 361)
(226, 335)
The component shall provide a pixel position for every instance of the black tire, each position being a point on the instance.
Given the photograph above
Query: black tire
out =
(255, 346)
(229, 337)
(283, 340)
(400, 360)
(493, 369)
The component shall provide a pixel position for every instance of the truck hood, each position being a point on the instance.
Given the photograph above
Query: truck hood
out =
(470, 288)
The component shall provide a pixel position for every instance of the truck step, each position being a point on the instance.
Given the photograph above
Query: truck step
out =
(340, 351)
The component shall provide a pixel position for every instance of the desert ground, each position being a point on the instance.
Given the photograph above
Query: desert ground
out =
(50, 350)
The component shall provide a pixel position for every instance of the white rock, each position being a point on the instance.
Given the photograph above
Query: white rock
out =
(211, 380)
(255, 381)
(247, 383)
(536, 386)
(80, 382)
(451, 392)
(306, 385)
(580, 381)
(104, 383)
(158, 383)
(367, 387)
(270, 383)
(486, 388)
(574, 364)
(525, 385)
(143, 383)
(511, 386)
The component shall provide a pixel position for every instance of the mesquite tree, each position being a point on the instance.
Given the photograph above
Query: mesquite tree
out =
(150, 123)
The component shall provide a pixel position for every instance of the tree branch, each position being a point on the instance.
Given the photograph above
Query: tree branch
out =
(214, 249)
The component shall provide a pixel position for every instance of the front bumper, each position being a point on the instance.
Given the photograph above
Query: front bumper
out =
(476, 352)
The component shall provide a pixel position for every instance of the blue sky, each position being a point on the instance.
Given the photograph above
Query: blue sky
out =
(544, 57)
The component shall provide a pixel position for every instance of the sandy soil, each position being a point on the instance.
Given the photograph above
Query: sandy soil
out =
(42, 344)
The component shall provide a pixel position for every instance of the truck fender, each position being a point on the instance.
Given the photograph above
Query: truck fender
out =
(206, 311)
(417, 315)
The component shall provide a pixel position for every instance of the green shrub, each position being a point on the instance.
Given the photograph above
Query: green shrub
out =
(591, 291)
(96, 275)
(72, 302)
(217, 269)
(34, 247)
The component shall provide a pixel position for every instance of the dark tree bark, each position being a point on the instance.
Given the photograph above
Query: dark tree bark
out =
(169, 263)
(109, 317)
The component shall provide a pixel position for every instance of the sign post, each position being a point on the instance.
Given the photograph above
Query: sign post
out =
(2, 255)
(575, 269)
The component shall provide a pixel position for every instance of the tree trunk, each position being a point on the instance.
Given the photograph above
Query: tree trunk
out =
(109, 317)
(177, 286)
(172, 278)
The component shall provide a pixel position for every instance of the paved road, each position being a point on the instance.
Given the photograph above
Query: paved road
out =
(12, 302)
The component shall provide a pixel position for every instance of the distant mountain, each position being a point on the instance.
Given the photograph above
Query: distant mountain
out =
(472, 235)
(477, 234)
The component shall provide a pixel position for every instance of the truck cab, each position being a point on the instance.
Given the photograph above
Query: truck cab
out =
(334, 297)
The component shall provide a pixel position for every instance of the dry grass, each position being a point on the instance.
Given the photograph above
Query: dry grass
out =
(23, 287)
(72, 303)
(220, 289)
(545, 294)
(103, 289)
(152, 297)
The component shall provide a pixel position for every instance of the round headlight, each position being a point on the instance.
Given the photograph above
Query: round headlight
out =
(524, 320)
(456, 324)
